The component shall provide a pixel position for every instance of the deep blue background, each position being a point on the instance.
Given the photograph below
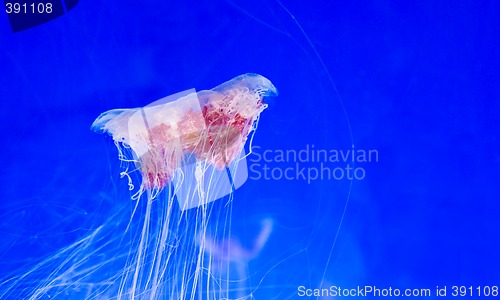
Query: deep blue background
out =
(419, 83)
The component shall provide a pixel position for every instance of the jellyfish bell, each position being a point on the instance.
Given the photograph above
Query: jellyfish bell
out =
(192, 140)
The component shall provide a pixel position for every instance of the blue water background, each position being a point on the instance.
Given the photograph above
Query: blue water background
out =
(417, 82)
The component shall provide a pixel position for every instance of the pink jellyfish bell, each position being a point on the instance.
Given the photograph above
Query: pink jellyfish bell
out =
(191, 140)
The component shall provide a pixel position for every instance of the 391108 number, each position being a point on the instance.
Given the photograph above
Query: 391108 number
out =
(25, 8)
(478, 291)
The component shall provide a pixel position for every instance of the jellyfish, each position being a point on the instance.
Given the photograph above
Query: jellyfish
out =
(183, 157)
(188, 147)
